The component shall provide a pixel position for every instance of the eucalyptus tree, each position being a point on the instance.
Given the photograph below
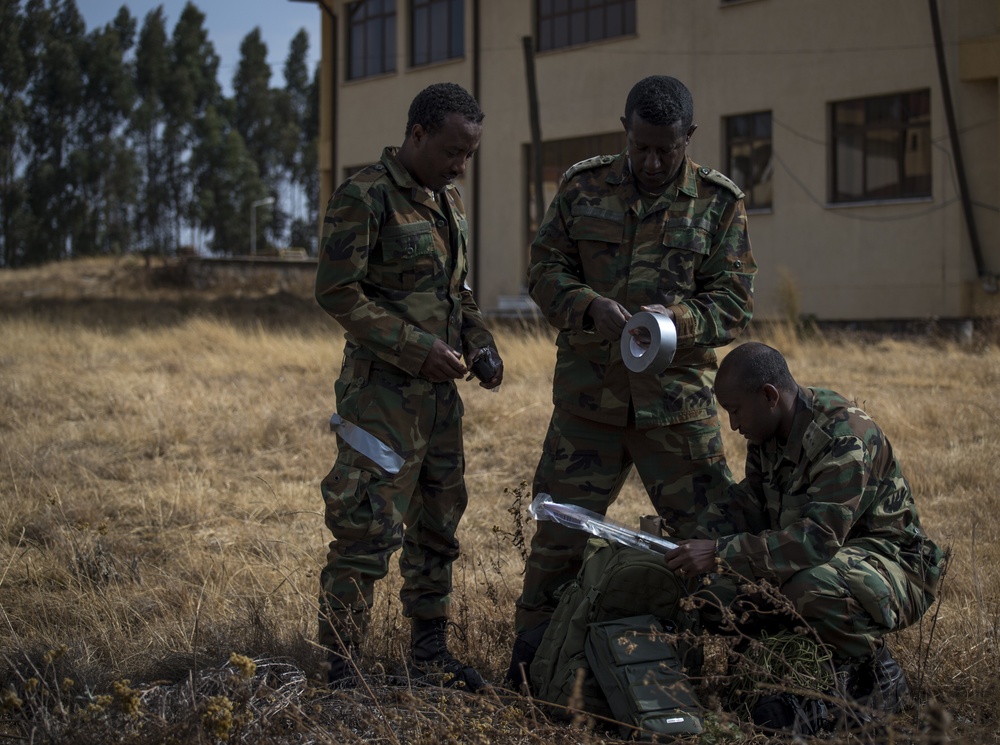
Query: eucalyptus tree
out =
(296, 94)
(227, 182)
(258, 115)
(304, 229)
(152, 67)
(55, 38)
(191, 88)
(106, 167)
(13, 130)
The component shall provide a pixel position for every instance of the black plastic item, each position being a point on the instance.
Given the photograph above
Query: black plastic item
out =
(486, 364)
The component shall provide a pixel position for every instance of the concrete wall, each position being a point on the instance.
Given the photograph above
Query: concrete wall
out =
(902, 259)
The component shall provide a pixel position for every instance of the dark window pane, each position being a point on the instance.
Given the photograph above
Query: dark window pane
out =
(357, 68)
(390, 44)
(371, 37)
(457, 41)
(882, 147)
(762, 125)
(437, 31)
(613, 27)
(748, 148)
(421, 33)
(560, 32)
(580, 21)
(577, 29)
(595, 24)
(545, 35)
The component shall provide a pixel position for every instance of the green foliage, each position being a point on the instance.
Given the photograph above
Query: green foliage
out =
(120, 140)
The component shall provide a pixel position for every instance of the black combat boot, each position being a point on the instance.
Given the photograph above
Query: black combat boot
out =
(525, 648)
(880, 684)
(800, 715)
(343, 662)
(431, 661)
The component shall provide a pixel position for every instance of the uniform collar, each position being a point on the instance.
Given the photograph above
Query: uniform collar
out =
(404, 180)
(621, 174)
(801, 420)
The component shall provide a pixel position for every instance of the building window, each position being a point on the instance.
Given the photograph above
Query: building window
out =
(437, 31)
(881, 147)
(371, 38)
(748, 156)
(563, 23)
(557, 157)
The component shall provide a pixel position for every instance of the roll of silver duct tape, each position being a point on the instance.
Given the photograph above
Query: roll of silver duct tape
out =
(662, 343)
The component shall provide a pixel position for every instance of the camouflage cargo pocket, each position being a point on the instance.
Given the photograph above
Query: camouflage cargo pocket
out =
(867, 584)
(345, 490)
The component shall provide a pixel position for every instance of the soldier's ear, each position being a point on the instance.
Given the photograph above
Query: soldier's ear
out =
(690, 133)
(418, 134)
(771, 394)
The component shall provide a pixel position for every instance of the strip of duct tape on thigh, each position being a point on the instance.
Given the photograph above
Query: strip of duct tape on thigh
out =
(662, 343)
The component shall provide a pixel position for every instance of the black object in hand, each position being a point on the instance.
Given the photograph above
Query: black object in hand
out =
(486, 364)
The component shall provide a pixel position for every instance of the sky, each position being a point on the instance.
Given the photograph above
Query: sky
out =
(228, 22)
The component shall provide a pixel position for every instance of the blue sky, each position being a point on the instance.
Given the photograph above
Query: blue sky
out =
(228, 22)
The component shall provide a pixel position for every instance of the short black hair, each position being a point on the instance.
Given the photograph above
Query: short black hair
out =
(435, 102)
(752, 365)
(660, 100)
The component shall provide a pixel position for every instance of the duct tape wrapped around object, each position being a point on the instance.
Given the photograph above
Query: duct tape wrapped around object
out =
(367, 444)
(652, 359)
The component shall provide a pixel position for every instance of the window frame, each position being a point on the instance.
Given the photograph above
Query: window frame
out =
(593, 30)
(912, 125)
(558, 155)
(454, 31)
(761, 173)
(386, 20)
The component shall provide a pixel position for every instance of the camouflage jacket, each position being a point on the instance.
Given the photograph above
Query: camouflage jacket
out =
(835, 483)
(688, 250)
(393, 265)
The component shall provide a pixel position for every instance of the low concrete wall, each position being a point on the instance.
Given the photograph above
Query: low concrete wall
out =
(252, 273)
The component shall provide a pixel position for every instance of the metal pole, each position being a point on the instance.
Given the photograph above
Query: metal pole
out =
(253, 222)
(536, 128)
(956, 148)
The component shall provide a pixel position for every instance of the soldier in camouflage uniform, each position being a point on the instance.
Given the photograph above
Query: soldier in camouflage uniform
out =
(392, 272)
(826, 516)
(647, 229)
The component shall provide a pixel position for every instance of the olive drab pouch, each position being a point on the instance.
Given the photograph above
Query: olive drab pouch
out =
(613, 582)
(639, 670)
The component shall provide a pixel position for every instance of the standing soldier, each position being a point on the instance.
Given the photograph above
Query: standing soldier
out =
(644, 230)
(392, 273)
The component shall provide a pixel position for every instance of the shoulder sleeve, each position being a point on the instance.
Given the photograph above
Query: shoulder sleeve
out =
(710, 174)
(586, 165)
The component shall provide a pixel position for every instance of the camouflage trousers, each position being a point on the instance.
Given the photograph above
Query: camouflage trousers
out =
(371, 513)
(586, 463)
(851, 602)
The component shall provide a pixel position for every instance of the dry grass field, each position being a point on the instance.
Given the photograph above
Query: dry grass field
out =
(161, 530)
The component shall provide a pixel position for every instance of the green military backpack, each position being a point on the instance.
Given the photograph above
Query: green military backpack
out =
(614, 583)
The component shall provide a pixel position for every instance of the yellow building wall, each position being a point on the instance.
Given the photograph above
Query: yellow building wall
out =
(908, 259)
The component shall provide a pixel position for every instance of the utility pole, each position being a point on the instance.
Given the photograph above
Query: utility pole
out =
(253, 222)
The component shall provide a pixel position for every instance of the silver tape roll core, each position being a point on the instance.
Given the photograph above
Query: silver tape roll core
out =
(662, 343)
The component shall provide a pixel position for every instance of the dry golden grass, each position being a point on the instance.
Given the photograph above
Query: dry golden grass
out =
(162, 529)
